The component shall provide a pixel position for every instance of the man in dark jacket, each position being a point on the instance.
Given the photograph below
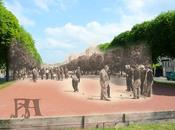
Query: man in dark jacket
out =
(78, 73)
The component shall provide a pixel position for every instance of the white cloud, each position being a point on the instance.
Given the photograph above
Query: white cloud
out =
(137, 11)
(64, 40)
(43, 4)
(91, 33)
(131, 12)
(71, 37)
(57, 43)
(62, 5)
(134, 5)
(16, 8)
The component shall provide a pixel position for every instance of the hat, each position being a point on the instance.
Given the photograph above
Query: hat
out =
(141, 66)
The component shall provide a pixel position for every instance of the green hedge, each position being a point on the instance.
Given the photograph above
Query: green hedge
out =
(158, 34)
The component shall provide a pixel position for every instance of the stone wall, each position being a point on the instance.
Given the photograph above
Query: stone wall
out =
(89, 121)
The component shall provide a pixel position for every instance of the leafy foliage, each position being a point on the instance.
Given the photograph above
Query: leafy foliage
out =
(8, 29)
(158, 34)
(12, 33)
(29, 44)
(104, 46)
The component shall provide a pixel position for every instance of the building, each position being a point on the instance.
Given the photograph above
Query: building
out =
(168, 65)
(91, 50)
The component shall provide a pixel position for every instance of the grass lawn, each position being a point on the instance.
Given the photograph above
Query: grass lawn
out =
(162, 126)
(157, 126)
(4, 84)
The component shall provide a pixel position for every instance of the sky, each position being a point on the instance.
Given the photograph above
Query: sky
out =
(66, 27)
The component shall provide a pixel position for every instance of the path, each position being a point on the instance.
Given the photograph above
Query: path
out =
(57, 98)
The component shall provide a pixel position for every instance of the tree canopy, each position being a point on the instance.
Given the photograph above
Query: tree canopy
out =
(11, 32)
(158, 34)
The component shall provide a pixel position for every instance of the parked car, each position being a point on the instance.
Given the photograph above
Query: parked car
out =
(170, 75)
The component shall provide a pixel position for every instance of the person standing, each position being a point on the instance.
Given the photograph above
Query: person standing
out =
(66, 72)
(104, 82)
(149, 82)
(51, 73)
(58, 73)
(137, 82)
(47, 73)
(34, 74)
(61, 73)
(78, 73)
(42, 73)
(75, 82)
(109, 88)
(129, 75)
(142, 78)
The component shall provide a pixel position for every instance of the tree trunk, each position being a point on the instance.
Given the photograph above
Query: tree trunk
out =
(7, 63)
(7, 72)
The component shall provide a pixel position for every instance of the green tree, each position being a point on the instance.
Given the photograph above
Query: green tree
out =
(157, 34)
(12, 33)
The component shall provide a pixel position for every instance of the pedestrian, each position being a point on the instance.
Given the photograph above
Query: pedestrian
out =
(142, 78)
(109, 88)
(51, 74)
(104, 82)
(129, 75)
(149, 82)
(42, 71)
(61, 73)
(75, 82)
(137, 82)
(58, 73)
(78, 73)
(47, 73)
(34, 74)
(66, 72)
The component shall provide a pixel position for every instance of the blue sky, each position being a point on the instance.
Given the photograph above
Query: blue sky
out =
(65, 27)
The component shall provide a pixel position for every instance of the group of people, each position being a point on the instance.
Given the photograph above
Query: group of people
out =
(20, 74)
(57, 73)
(139, 80)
